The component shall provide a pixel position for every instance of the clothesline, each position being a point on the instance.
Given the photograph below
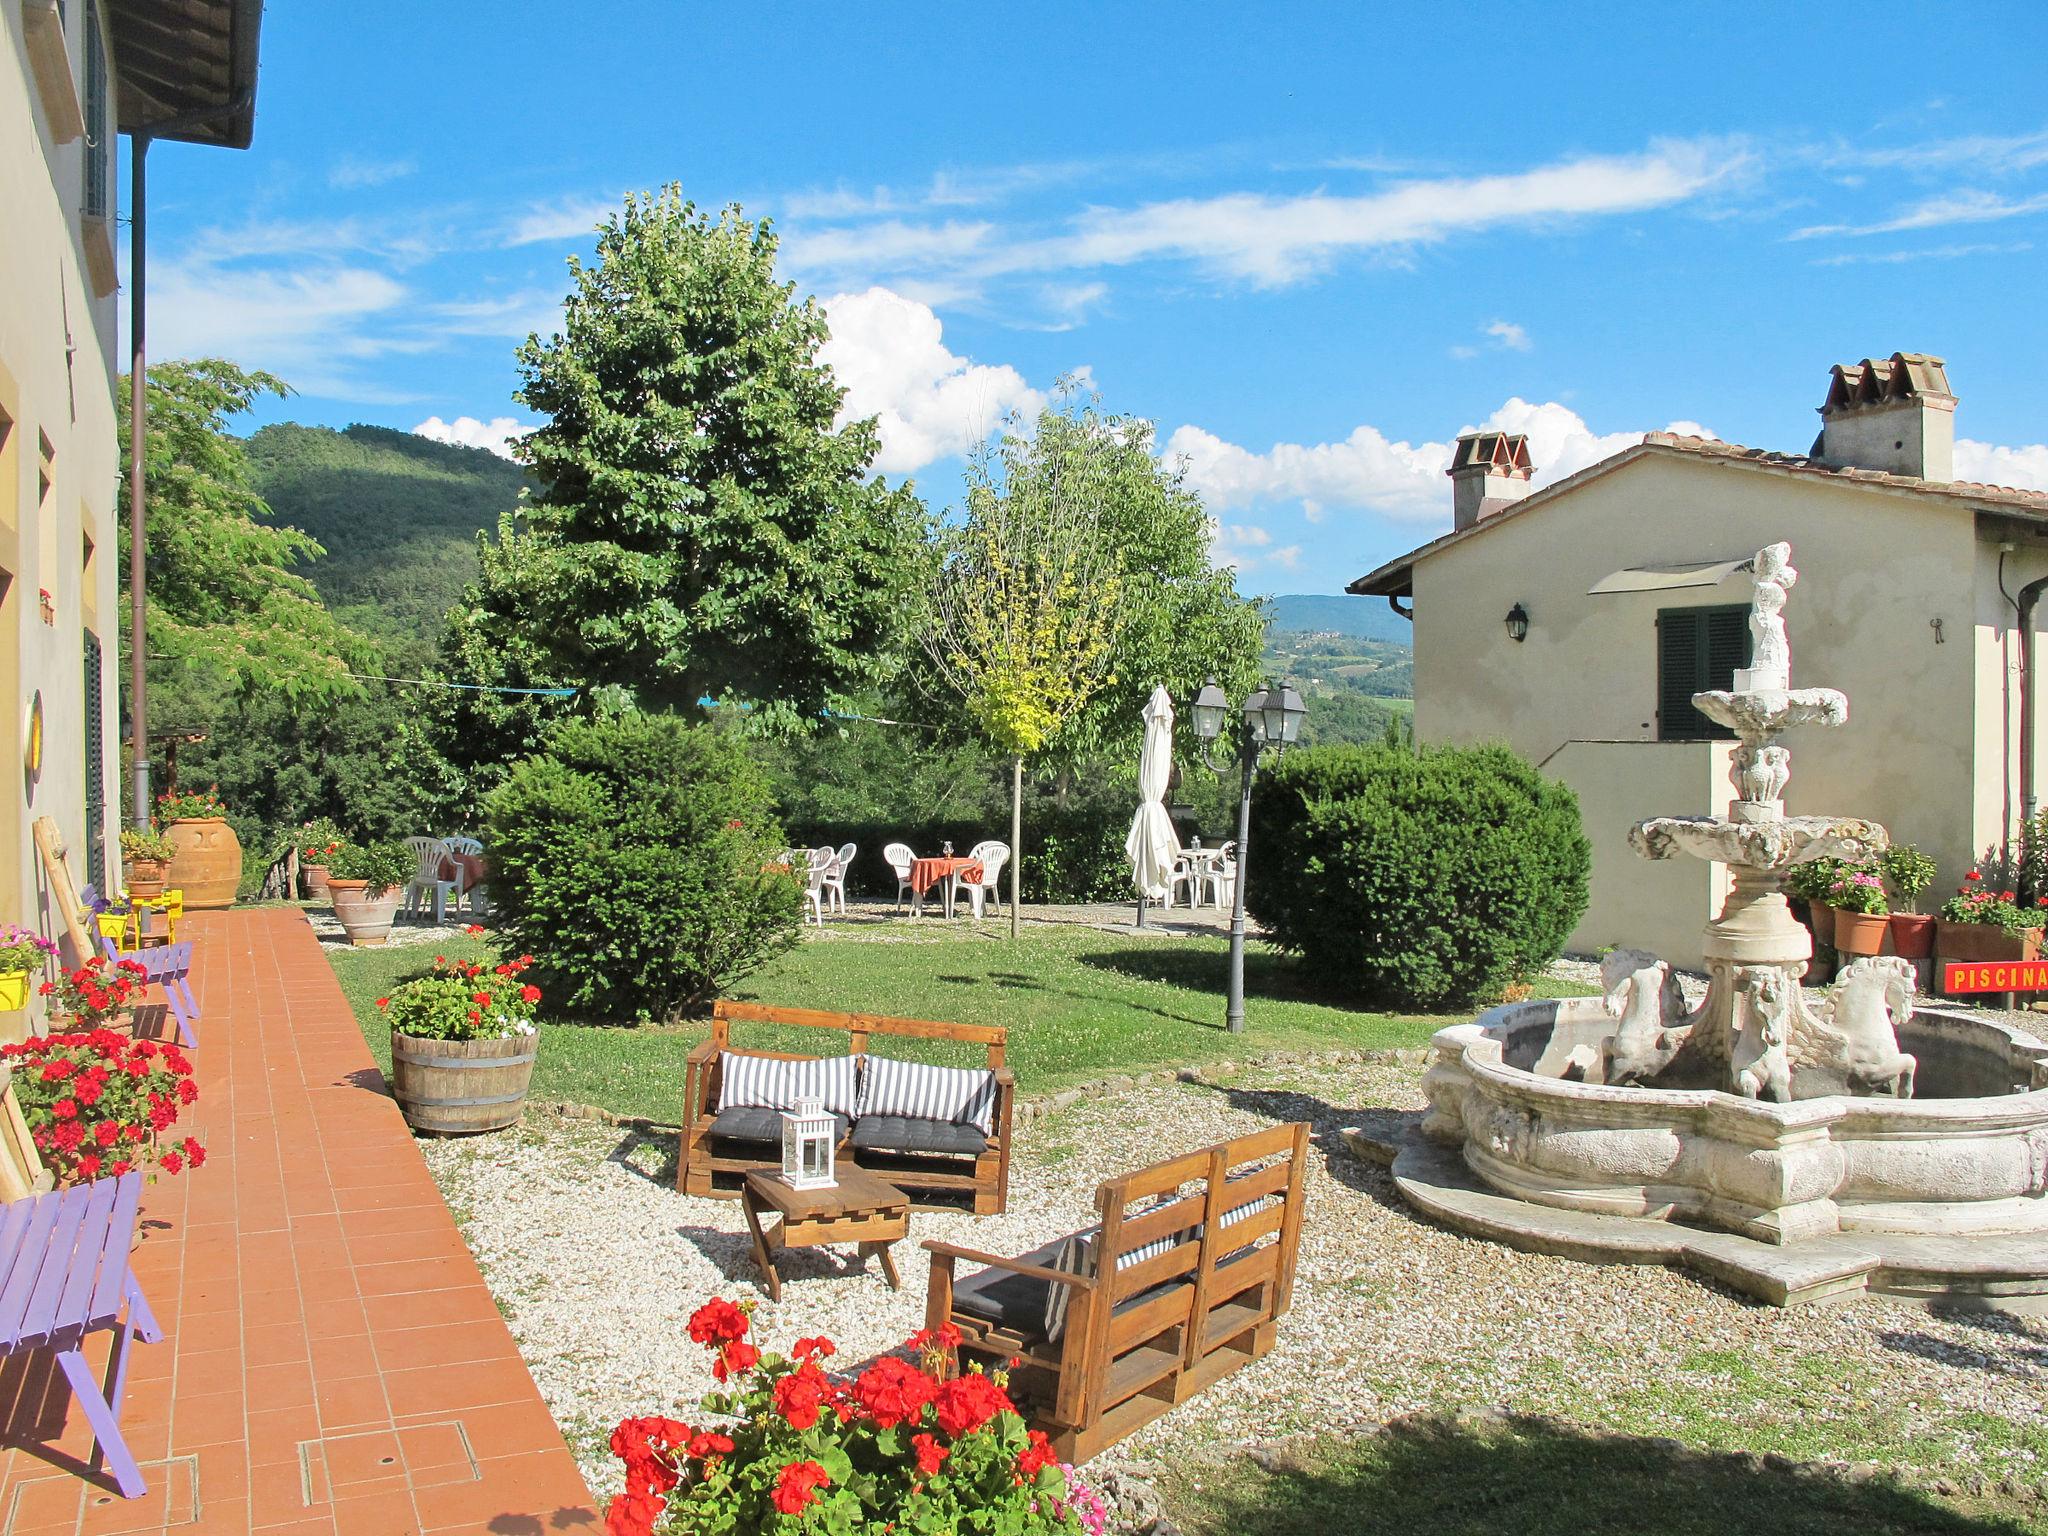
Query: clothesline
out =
(435, 682)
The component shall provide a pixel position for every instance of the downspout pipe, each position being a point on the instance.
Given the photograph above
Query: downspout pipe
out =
(138, 525)
(2030, 645)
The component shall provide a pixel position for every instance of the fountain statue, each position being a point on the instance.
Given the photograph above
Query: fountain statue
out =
(1755, 1033)
(1797, 1145)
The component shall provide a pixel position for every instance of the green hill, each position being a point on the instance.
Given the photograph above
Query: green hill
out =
(398, 514)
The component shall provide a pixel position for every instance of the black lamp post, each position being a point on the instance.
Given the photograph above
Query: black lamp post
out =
(1271, 717)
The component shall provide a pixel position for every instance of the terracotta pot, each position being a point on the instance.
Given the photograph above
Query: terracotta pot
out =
(148, 877)
(461, 1086)
(1821, 968)
(365, 915)
(1912, 935)
(1861, 933)
(1823, 922)
(1967, 943)
(316, 880)
(208, 863)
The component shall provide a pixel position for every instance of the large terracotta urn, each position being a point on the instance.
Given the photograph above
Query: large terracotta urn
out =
(208, 864)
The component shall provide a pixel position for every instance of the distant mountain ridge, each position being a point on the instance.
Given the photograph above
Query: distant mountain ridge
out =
(397, 513)
(1309, 612)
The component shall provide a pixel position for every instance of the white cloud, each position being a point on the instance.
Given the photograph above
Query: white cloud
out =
(1992, 154)
(1965, 207)
(527, 312)
(569, 218)
(888, 353)
(351, 172)
(1930, 253)
(1367, 470)
(2026, 468)
(496, 434)
(1277, 240)
(304, 325)
(883, 248)
(1510, 335)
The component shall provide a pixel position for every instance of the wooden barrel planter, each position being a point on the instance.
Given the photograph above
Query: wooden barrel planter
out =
(457, 1087)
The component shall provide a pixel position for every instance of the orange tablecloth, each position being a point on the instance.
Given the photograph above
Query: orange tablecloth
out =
(469, 865)
(926, 873)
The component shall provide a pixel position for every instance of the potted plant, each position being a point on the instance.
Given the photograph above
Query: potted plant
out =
(1809, 882)
(1862, 916)
(1978, 924)
(98, 1103)
(206, 861)
(95, 994)
(23, 953)
(915, 1447)
(364, 883)
(319, 840)
(463, 1043)
(146, 855)
(1907, 872)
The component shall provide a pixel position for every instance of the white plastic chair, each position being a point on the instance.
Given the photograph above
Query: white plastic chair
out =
(1182, 875)
(469, 846)
(430, 851)
(1221, 875)
(899, 858)
(992, 856)
(835, 877)
(818, 862)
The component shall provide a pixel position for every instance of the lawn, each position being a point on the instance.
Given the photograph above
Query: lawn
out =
(1080, 1003)
(1542, 1478)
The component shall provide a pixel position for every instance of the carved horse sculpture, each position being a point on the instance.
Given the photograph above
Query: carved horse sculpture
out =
(1761, 1063)
(1869, 1002)
(1641, 991)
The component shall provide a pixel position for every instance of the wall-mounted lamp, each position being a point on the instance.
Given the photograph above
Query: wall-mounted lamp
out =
(1518, 623)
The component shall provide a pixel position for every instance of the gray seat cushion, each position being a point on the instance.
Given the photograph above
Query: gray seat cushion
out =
(1017, 1302)
(752, 1124)
(909, 1133)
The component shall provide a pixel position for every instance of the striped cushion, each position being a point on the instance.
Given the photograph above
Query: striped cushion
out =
(763, 1082)
(1077, 1254)
(962, 1095)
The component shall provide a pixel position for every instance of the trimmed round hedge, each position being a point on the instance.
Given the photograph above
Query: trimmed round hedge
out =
(632, 858)
(1422, 879)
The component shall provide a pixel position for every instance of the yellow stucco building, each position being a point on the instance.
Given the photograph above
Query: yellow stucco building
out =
(74, 74)
(1911, 586)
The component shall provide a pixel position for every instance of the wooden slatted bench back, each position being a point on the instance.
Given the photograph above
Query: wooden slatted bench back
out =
(856, 1026)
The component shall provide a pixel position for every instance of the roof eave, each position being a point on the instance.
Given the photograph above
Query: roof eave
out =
(155, 102)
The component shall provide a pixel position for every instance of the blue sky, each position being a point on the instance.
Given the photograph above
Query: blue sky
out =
(1310, 243)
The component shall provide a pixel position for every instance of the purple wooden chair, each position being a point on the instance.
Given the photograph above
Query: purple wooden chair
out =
(170, 967)
(64, 1274)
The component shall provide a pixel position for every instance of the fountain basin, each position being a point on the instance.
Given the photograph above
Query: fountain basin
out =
(1968, 1156)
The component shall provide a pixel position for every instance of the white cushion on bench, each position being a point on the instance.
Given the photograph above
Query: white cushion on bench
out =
(962, 1095)
(763, 1082)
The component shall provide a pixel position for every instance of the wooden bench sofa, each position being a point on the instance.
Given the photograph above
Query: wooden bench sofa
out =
(932, 1161)
(1204, 1248)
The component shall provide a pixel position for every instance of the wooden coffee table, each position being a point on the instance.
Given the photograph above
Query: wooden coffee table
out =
(860, 1208)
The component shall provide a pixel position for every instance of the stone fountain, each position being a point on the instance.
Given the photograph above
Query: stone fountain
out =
(1796, 1146)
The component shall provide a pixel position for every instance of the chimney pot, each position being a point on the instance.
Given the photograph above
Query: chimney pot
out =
(1896, 415)
(1489, 471)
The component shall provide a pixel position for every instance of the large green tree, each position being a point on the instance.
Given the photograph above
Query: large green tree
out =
(705, 528)
(228, 615)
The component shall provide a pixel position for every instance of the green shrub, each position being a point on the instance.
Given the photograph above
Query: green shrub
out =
(1422, 879)
(383, 865)
(629, 859)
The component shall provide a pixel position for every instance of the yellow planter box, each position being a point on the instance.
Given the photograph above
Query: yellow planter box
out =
(13, 990)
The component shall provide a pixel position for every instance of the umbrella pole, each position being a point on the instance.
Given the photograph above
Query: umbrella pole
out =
(1141, 909)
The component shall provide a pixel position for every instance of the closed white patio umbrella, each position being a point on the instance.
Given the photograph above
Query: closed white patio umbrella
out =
(1153, 845)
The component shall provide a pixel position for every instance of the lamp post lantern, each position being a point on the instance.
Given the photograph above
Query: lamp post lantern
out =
(1270, 717)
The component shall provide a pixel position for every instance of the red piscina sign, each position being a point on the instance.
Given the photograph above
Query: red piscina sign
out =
(1996, 976)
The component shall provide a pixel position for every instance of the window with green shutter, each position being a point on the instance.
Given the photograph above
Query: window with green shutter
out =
(95, 767)
(1698, 649)
(98, 128)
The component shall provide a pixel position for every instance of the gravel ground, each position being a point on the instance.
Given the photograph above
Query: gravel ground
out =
(597, 1263)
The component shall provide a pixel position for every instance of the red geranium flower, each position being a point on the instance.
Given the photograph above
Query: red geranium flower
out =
(929, 1454)
(718, 1321)
(733, 1359)
(529, 993)
(967, 1402)
(793, 1488)
(893, 1390)
(801, 1394)
(1036, 1456)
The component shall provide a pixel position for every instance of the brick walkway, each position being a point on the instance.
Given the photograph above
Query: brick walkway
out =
(332, 1361)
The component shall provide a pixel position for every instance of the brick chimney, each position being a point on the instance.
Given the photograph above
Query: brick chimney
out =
(1894, 415)
(1490, 471)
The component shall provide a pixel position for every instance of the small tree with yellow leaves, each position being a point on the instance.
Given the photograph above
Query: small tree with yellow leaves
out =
(1026, 601)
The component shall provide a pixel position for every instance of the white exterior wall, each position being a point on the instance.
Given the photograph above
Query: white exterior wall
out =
(56, 384)
(1875, 566)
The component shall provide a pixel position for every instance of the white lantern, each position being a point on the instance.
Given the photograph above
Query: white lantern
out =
(808, 1134)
